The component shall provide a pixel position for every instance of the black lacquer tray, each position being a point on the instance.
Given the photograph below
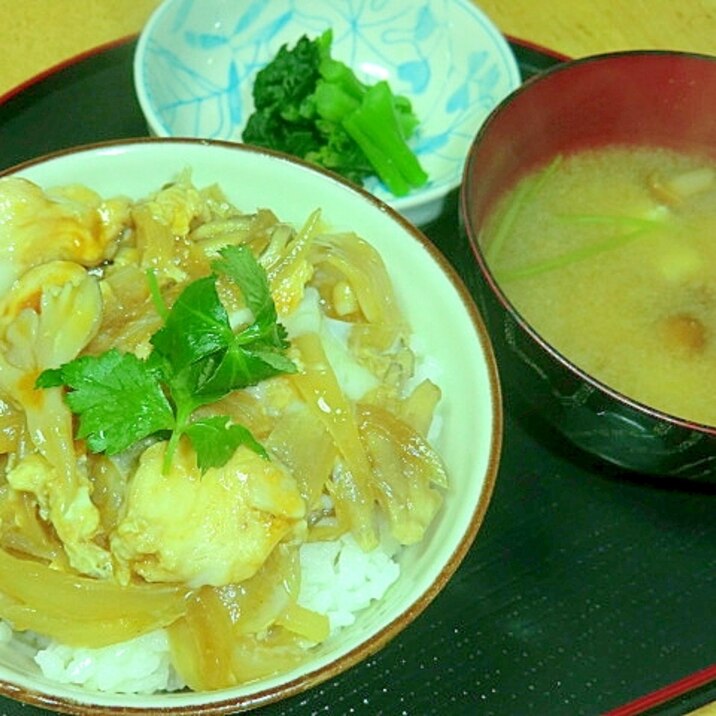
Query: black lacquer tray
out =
(586, 587)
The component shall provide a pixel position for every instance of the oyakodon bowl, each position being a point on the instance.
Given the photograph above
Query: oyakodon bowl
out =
(634, 98)
(449, 329)
(196, 61)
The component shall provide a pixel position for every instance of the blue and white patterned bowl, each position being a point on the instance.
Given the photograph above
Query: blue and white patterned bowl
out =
(196, 61)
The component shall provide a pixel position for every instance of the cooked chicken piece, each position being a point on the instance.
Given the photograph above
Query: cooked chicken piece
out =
(48, 317)
(50, 313)
(38, 226)
(216, 528)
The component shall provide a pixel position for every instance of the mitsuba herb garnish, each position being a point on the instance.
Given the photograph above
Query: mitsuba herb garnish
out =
(196, 359)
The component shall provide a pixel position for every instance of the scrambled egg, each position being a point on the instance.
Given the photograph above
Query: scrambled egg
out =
(67, 505)
(216, 528)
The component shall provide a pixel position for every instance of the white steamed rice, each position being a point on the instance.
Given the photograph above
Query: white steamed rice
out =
(140, 665)
(338, 579)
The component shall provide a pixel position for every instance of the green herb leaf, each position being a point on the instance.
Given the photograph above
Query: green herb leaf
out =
(197, 325)
(50, 378)
(241, 367)
(216, 439)
(240, 265)
(118, 399)
(196, 360)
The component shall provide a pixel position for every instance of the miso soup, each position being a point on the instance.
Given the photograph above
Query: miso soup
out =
(610, 254)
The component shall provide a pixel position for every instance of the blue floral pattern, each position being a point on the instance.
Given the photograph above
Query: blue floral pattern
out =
(197, 59)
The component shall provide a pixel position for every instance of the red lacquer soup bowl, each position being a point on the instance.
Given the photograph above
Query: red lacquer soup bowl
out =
(643, 98)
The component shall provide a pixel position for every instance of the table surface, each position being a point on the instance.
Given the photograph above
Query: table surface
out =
(37, 35)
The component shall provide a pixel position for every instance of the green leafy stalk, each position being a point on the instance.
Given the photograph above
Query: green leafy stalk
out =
(156, 294)
(635, 227)
(524, 194)
(571, 257)
(612, 220)
(387, 151)
(181, 424)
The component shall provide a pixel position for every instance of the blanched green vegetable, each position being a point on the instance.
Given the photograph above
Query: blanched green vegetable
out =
(314, 107)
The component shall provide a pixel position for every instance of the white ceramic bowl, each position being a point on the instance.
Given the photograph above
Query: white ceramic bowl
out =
(443, 316)
(196, 61)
